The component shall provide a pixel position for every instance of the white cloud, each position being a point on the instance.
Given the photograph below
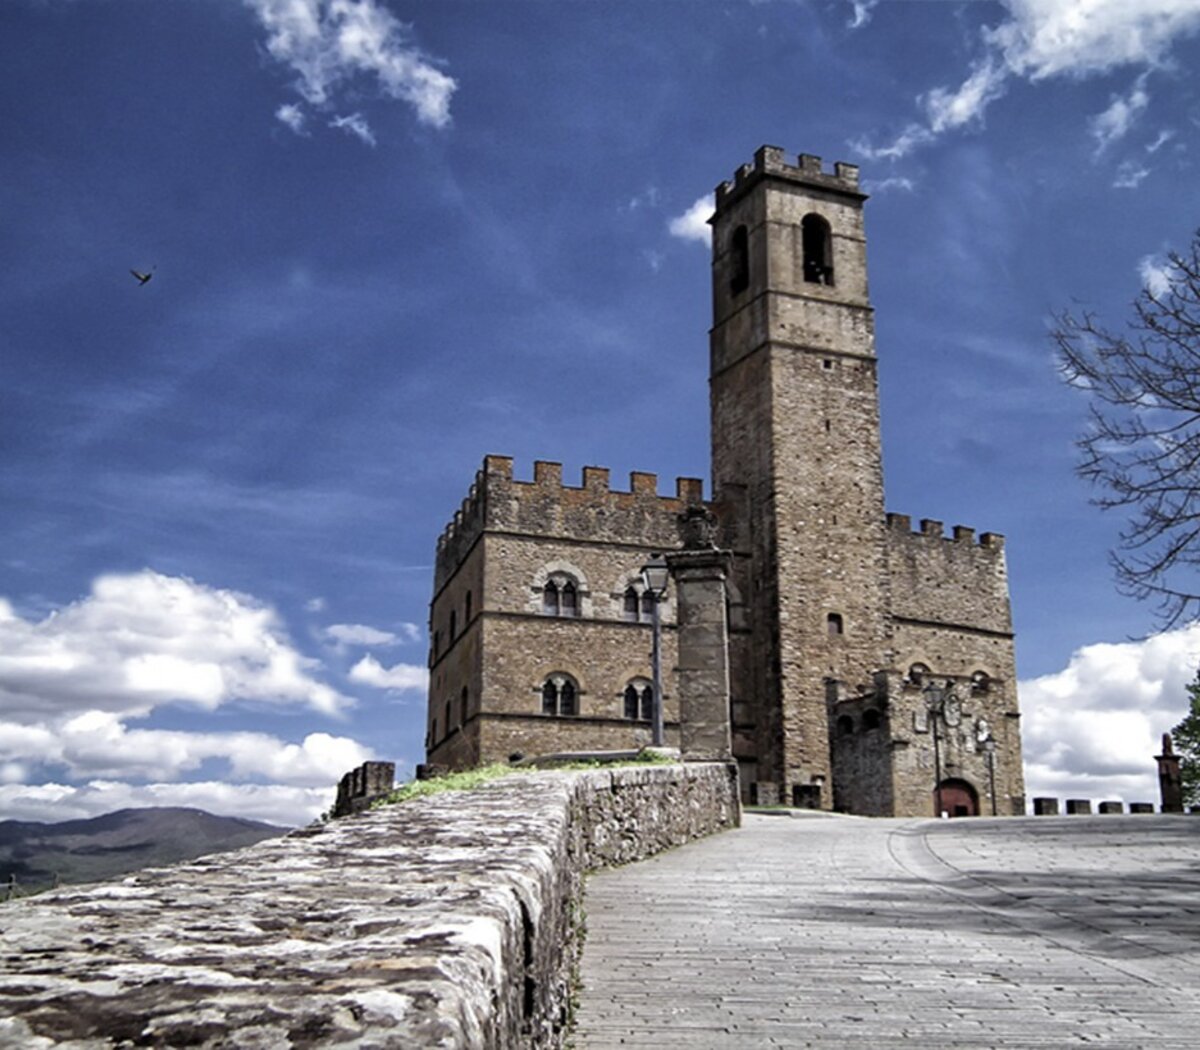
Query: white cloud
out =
(315, 605)
(356, 125)
(291, 115)
(1116, 121)
(878, 186)
(1129, 175)
(862, 12)
(692, 225)
(1156, 273)
(360, 634)
(329, 42)
(141, 640)
(273, 803)
(1160, 140)
(98, 744)
(1041, 39)
(397, 678)
(1092, 729)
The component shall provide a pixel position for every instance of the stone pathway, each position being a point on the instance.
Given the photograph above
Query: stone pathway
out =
(821, 931)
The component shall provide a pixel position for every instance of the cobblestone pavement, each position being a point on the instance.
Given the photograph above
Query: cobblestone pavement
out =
(822, 931)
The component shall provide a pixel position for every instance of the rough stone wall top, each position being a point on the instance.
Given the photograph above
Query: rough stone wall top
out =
(949, 580)
(449, 922)
(771, 162)
(546, 507)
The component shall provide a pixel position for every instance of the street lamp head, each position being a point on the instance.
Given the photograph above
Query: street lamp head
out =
(655, 574)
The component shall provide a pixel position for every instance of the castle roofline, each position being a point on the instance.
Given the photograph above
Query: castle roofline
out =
(770, 162)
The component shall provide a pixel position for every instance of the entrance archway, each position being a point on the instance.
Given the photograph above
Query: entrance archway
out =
(958, 798)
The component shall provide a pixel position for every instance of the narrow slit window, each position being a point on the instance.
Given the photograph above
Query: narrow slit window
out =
(631, 604)
(835, 624)
(569, 600)
(739, 266)
(817, 243)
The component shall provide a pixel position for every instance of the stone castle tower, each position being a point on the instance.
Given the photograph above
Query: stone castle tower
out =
(840, 618)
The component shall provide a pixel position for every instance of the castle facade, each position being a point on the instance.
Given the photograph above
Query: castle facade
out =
(871, 666)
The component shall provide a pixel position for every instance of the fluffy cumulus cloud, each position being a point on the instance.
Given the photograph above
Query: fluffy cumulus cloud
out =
(72, 683)
(329, 43)
(144, 639)
(692, 225)
(1092, 729)
(1041, 39)
(1155, 273)
(398, 678)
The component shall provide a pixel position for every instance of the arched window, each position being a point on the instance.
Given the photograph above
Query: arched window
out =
(834, 624)
(739, 261)
(631, 604)
(918, 674)
(845, 726)
(560, 696)
(560, 596)
(817, 243)
(980, 683)
(871, 718)
(639, 700)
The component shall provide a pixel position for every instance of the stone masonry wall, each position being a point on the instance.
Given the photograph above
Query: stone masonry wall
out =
(453, 922)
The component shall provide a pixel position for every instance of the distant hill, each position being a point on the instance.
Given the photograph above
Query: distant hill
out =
(116, 843)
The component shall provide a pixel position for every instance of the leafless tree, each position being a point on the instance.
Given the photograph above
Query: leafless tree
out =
(1141, 449)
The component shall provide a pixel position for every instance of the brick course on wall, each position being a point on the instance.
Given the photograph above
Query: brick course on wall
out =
(451, 921)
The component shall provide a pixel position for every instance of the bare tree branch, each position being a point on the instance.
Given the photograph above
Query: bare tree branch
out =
(1141, 448)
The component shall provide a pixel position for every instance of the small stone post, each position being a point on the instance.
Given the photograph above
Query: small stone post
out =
(702, 633)
(1170, 782)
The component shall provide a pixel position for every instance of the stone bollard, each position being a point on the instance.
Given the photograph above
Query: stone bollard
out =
(1045, 807)
(1112, 807)
(1141, 807)
(1079, 806)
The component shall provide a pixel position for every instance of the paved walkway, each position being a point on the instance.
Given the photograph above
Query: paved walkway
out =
(822, 931)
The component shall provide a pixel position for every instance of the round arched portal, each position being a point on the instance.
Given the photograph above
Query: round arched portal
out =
(957, 798)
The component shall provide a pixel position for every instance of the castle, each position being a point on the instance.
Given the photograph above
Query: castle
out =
(871, 667)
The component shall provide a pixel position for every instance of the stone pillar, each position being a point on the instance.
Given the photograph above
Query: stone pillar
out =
(1045, 807)
(1112, 807)
(702, 637)
(1141, 807)
(1079, 806)
(362, 786)
(1170, 782)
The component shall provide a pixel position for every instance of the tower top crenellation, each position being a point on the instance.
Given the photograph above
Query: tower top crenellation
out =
(772, 161)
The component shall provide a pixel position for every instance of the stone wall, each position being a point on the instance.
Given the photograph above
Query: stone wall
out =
(453, 921)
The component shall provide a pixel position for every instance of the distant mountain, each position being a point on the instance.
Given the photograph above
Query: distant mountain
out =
(116, 843)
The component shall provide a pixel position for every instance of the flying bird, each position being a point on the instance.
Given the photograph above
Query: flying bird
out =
(142, 278)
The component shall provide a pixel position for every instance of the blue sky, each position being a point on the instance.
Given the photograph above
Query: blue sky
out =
(388, 238)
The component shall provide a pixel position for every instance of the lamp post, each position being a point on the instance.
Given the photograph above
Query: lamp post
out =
(654, 579)
(935, 703)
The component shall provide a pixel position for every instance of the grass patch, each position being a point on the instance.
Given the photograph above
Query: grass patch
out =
(467, 779)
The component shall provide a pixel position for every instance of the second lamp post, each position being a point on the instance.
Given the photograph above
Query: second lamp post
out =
(654, 579)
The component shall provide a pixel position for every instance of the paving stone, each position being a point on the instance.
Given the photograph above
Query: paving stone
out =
(944, 935)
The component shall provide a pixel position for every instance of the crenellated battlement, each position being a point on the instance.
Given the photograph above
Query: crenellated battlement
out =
(953, 579)
(934, 530)
(771, 161)
(545, 506)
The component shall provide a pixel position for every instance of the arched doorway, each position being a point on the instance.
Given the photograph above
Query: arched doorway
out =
(958, 799)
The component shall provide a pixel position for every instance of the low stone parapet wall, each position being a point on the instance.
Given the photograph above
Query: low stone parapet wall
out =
(452, 921)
